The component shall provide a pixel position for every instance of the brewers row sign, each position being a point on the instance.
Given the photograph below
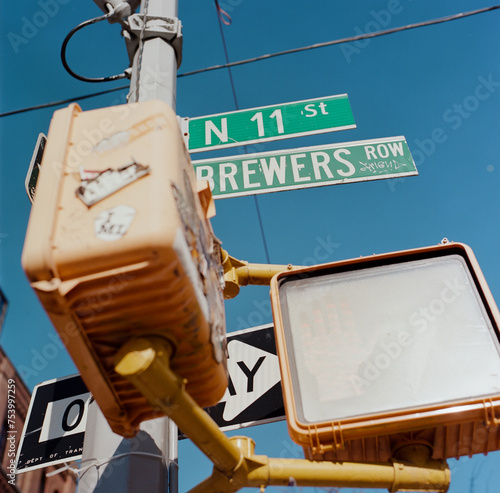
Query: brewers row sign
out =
(307, 167)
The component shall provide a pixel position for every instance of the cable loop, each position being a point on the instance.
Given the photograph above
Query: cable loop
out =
(104, 17)
(223, 15)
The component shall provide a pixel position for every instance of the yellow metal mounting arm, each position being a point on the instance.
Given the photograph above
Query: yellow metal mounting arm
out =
(240, 273)
(145, 362)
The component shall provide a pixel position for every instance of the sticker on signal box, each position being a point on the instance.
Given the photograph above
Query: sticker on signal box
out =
(112, 224)
(97, 185)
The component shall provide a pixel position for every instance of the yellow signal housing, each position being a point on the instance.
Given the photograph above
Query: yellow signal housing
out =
(119, 244)
(379, 354)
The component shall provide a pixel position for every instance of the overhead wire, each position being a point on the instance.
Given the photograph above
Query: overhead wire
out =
(62, 101)
(223, 17)
(385, 32)
(343, 40)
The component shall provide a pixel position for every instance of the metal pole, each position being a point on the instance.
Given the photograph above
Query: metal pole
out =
(154, 72)
(111, 463)
(148, 462)
(154, 76)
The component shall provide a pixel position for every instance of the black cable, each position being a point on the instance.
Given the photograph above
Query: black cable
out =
(66, 41)
(344, 40)
(265, 57)
(62, 101)
(233, 89)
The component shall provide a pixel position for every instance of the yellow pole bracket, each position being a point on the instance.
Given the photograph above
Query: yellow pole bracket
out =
(241, 273)
(145, 362)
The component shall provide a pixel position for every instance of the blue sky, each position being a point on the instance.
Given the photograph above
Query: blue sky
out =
(439, 86)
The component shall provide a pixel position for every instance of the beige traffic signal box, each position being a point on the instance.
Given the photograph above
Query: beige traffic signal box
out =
(390, 350)
(119, 244)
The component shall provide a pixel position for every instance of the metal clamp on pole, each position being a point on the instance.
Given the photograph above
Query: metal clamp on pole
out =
(122, 9)
(152, 26)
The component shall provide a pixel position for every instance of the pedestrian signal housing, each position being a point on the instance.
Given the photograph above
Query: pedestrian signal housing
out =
(119, 244)
(384, 351)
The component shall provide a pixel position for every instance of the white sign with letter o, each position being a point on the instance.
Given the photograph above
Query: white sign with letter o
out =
(65, 417)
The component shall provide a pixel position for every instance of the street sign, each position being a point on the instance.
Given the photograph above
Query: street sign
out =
(55, 424)
(307, 167)
(254, 393)
(282, 121)
(34, 167)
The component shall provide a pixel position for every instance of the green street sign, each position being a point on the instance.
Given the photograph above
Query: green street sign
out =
(307, 167)
(311, 116)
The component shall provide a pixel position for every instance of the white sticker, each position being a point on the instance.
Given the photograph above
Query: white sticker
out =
(97, 185)
(112, 224)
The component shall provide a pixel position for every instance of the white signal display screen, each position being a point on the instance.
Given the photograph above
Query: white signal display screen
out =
(386, 338)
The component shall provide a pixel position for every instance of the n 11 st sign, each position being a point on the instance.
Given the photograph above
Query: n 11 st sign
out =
(311, 116)
(307, 167)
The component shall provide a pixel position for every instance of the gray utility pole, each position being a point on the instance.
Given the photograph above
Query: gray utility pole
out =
(158, 54)
(148, 462)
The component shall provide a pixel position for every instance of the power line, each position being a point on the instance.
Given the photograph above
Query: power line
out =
(454, 17)
(221, 19)
(62, 101)
(345, 40)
